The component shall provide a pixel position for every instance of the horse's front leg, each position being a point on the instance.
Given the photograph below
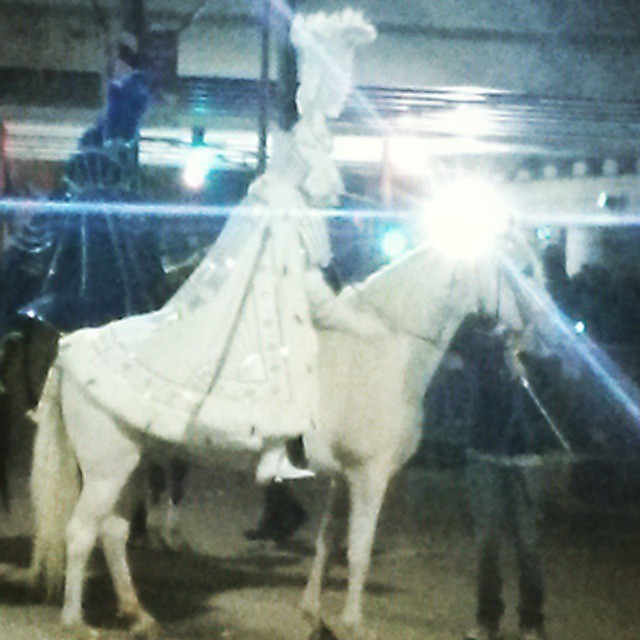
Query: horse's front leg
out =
(327, 544)
(367, 484)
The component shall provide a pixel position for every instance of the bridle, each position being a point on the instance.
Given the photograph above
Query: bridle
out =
(392, 324)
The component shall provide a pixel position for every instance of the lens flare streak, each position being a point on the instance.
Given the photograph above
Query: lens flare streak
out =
(28, 206)
(621, 388)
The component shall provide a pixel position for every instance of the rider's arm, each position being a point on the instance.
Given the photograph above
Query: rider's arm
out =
(331, 312)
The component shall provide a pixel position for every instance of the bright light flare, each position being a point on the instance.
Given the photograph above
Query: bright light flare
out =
(466, 219)
(575, 347)
(394, 243)
(468, 121)
(199, 164)
(408, 154)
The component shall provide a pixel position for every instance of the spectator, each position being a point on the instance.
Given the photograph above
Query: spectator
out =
(283, 514)
(506, 442)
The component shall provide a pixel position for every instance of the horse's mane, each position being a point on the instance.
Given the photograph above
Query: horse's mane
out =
(408, 292)
(428, 294)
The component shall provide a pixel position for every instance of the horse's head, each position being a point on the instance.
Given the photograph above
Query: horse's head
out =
(428, 293)
(424, 295)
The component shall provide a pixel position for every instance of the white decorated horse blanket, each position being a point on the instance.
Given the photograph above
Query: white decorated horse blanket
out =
(229, 361)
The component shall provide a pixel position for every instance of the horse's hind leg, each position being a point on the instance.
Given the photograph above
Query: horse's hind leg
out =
(114, 532)
(100, 493)
(332, 529)
(367, 486)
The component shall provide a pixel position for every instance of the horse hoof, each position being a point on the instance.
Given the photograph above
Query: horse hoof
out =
(79, 631)
(72, 620)
(178, 544)
(322, 632)
(347, 629)
(145, 628)
(310, 608)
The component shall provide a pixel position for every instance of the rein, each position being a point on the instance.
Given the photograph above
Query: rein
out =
(340, 280)
(434, 342)
(522, 378)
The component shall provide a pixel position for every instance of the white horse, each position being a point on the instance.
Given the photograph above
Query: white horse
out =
(371, 399)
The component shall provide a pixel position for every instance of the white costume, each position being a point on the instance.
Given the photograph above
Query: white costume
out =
(230, 360)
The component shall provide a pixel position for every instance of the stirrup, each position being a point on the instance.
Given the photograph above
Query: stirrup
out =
(275, 466)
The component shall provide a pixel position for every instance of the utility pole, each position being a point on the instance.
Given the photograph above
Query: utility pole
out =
(287, 79)
(263, 113)
(131, 36)
(287, 68)
(104, 22)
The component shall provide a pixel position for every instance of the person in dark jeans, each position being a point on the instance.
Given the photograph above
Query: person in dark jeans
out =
(283, 513)
(503, 495)
(506, 442)
(160, 479)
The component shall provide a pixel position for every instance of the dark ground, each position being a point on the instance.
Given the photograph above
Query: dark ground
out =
(421, 584)
(422, 579)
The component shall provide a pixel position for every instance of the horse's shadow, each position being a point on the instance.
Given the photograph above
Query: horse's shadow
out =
(175, 585)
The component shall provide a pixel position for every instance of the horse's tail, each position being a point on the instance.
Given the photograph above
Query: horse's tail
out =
(55, 487)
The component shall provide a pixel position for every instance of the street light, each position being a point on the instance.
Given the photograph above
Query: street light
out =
(199, 161)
